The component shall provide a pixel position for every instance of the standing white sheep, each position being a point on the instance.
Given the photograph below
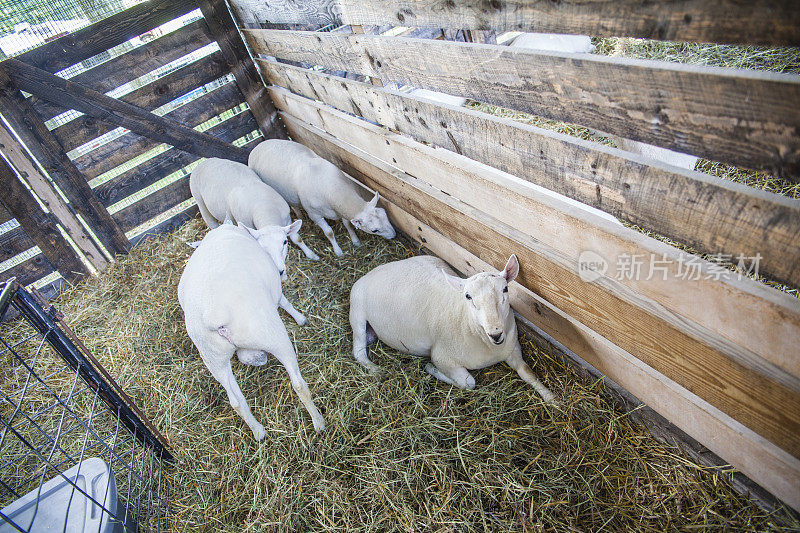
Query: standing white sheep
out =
(230, 292)
(227, 190)
(418, 306)
(305, 179)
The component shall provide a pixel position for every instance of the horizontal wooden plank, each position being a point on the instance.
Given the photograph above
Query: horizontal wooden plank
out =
(168, 225)
(572, 232)
(742, 117)
(30, 270)
(151, 96)
(322, 12)
(130, 145)
(760, 460)
(625, 318)
(109, 110)
(710, 214)
(107, 33)
(766, 22)
(135, 63)
(14, 242)
(162, 165)
(163, 199)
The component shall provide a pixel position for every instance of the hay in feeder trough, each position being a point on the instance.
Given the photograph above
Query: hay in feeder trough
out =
(401, 452)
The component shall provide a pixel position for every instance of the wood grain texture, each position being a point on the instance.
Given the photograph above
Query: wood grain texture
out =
(47, 150)
(151, 96)
(25, 167)
(760, 460)
(710, 214)
(627, 319)
(766, 22)
(151, 171)
(39, 226)
(107, 33)
(237, 58)
(168, 225)
(30, 270)
(13, 243)
(742, 117)
(135, 63)
(124, 148)
(322, 12)
(118, 113)
(557, 224)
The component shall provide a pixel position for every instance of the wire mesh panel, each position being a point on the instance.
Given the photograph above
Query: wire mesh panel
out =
(75, 454)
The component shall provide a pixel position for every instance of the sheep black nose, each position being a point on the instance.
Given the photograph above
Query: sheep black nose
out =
(497, 338)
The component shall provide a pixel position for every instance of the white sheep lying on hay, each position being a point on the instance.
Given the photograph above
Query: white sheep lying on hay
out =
(305, 179)
(230, 291)
(419, 306)
(226, 190)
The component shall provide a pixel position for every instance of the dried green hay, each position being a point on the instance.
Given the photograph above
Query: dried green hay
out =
(403, 452)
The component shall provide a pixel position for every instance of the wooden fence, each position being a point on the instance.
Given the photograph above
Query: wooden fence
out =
(716, 354)
(119, 113)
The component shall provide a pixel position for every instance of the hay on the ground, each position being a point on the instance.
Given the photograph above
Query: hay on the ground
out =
(404, 452)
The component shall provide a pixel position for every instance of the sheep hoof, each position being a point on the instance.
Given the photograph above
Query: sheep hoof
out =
(313, 257)
(258, 431)
(301, 320)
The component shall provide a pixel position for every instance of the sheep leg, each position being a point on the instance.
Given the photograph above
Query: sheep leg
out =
(359, 324)
(351, 232)
(303, 246)
(285, 354)
(210, 221)
(328, 231)
(224, 375)
(289, 308)
(457, 376)
(517, 363)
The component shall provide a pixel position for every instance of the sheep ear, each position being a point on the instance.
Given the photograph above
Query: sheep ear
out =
(511, 270)
(356, 222)
(294, 227)
(454, 281)
(251, 231)
(374, 201)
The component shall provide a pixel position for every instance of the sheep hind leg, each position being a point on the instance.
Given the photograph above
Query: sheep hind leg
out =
(210, 221)
(224, 375)
(303, 246)
(360, 339)
(286, 355)
(328, 231)
(287, 306)
(351, 232)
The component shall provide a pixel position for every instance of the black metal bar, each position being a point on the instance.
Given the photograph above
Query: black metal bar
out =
(63, 345)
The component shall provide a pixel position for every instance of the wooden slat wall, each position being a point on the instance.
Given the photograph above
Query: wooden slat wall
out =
(687, 346)
(767, 22)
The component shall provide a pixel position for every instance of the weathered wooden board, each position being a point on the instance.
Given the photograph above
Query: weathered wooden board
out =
(50, 154)
(767, 22)
(109, 110)
(168, 225)
(107, 33)
(171, 195)
(565, 228)
(38, 225)
(710, 214)
(30, 270)
(164, 164)
(742, 117)
(135, 63)
(14, 242)
(256, 12)
(151, 96)
(629, 320)
(759, 459)
(223, 28)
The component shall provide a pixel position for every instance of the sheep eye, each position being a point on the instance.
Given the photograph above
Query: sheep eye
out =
(285, 241)
(505, 289)
(468, 297)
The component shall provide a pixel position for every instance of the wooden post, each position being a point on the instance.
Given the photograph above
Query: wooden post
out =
(49, 152)
(27, 169)
(223, 28)
(40, 226)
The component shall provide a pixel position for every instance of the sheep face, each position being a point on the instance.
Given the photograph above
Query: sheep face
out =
(373, 219)
(486, 299)
(275, 241)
